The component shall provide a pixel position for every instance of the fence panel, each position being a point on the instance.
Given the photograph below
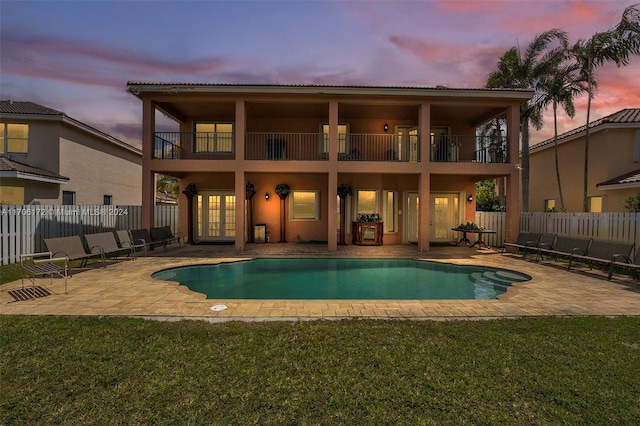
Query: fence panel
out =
(495, 221)
(23, 228)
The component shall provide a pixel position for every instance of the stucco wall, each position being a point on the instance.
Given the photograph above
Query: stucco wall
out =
(610, 155)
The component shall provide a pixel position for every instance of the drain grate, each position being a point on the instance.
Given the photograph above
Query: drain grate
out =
(28, 293)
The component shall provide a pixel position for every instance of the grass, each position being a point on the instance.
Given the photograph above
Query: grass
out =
(61, 370)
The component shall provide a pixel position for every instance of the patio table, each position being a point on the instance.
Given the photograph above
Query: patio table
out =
(480, 242)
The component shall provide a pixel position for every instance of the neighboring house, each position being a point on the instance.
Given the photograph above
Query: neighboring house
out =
(614, 166)
(410, 154)
(47, 157)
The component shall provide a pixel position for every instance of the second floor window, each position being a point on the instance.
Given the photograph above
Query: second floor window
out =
(213, 137)
(15, 138)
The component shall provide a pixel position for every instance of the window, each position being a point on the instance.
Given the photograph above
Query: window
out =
(107, 200)
(596, 204)
(366, 201)
(390, 211)
(343, 132)
(213, 137)
(550, 205)
(68, 198)
(11, 195)
(15, 138)
(304, 205)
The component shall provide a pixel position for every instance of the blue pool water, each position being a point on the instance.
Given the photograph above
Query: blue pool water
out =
(365, 279)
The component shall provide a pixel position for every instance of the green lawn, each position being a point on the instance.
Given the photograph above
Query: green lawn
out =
(113, 371)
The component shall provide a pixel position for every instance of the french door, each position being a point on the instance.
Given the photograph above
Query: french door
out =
(445, 214)
(215, 216)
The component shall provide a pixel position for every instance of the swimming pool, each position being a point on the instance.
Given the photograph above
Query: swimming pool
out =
(348, 279)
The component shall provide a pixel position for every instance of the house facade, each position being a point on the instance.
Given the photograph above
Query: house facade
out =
(410, 155)
(47, 157)
(614, 166)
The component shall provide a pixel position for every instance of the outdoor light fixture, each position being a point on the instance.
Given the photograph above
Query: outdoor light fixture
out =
(470, 198)
(386, 127)
(266, 196)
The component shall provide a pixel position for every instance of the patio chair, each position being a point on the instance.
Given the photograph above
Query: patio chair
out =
(524, 240)
(626, 263)
(144, 238)
(604, 252)
(125, 241)
(104, 244)
(171, 237)
(34, 265)
(70, 247)
(566, 246)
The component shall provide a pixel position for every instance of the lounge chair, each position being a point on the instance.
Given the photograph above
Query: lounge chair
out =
(143, 237)
(104, 244)
(35, 265)
(171, 237)
(524, 240)
(125, 241)
(69, 247)
(626, 263)
(565, 247)
(604, 252)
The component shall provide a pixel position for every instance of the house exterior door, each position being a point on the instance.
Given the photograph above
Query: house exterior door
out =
(408, 143)
(411, 215)
(215, 217)
(445, 214)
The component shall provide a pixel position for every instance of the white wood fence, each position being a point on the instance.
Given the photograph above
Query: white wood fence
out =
(23, 228)
(624, 227)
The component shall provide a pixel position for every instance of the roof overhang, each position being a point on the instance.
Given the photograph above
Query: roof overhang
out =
(13, 174)
(619, 186)
(140, 88)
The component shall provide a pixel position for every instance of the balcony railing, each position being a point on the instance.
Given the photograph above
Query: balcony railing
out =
(314, 147)
(196, 146)
(379, 147)
(468, 148)
(286, 146)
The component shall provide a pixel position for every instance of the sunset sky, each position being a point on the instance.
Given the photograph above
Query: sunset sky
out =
(78, 56)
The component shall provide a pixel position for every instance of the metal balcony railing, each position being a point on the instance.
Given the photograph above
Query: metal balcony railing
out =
(200, 145)
(286, 146)
(379, 147)
(468, 148)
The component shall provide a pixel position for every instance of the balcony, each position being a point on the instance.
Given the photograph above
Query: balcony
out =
(468, 148)
(314, 147)
(194, 146)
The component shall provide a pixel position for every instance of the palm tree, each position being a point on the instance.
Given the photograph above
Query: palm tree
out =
(560, 88)
(616, 45)
(524, 71)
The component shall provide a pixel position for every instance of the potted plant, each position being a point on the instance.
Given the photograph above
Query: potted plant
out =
(282, 189)
(344, 191)
(250, 190)
(368, 218)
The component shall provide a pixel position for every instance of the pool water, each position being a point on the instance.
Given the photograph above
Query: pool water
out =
(365, 279)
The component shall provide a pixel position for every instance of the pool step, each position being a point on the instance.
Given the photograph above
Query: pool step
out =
(501, 279)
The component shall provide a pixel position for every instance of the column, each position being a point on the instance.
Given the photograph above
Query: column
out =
(240, 129)
(333, 131)
(512, 225)
(424, 219)
(148, 176)
(241, 218)
(332, 207)
(425, 132)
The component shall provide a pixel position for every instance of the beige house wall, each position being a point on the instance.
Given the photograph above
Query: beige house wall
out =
(611, 154)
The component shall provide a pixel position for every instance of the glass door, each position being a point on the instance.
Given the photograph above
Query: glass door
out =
(215, 216)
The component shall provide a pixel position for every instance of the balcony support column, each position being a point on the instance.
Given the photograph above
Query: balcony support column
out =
(240, 190)
(332, 207)
(333, 131)
(424, 197)
(425, 132)
(148, 176)
(240, 129)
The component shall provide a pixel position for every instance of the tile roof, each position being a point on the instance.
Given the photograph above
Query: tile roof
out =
(626, 179)
(624, 116)
(336, 86)
(18, 107)
(9, 165)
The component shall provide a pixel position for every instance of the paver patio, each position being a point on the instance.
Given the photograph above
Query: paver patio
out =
(125, 288)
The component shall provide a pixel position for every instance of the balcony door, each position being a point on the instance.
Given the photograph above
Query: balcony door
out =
(215, 216)
(408, 143)
(411, 215)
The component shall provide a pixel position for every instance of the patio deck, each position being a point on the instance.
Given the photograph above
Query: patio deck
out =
(127, 289)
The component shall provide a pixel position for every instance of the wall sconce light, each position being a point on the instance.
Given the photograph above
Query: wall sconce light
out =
(385, 127)
(266, 196)
(470, 198)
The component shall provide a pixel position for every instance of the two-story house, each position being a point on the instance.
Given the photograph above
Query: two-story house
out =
(47, 157)
(614, 166)
(410, 154)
